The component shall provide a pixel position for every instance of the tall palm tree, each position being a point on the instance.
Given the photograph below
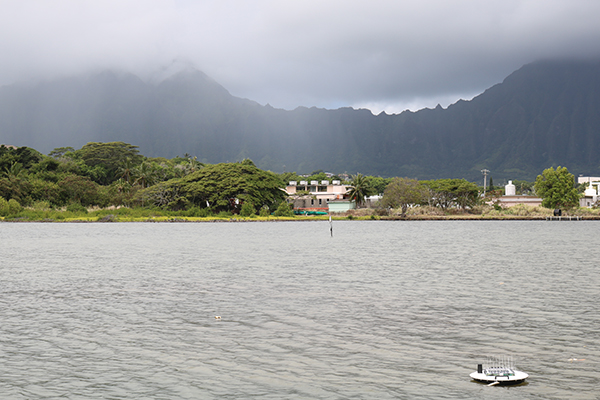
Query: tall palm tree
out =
(126, 168)
(145, 174)
(360, 187)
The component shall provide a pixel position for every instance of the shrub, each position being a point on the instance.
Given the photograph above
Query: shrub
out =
(197, 212)
(382, 212)
(264, 211)
(108, 218)
(76, 208)
(41, 206)
(247, 210)
(284, 210)
(3, 207)
(14, 207)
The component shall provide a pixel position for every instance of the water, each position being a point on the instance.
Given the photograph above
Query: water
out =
(381, 310)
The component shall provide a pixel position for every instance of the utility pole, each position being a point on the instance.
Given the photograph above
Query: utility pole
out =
(485, 173)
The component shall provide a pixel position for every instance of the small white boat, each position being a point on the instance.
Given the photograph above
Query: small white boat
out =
(499, 371)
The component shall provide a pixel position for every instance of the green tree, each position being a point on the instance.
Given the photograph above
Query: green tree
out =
(523, 187)
(14, 183)
(45, 190)
(25, 156)
(445, 193)
(126, 170)
(557, 188)
(402, 192)
(110, 156)
(78, 189)
(145, 174)
(359, 189)
(59, 152)
(286, 177)
(221, 187)
(379, 184)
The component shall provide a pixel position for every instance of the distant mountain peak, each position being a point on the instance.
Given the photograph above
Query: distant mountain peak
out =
(544, 114)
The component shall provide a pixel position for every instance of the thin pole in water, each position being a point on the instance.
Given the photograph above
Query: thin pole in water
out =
(330, 226)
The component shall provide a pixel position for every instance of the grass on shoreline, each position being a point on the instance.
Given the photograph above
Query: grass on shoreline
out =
(519, 212)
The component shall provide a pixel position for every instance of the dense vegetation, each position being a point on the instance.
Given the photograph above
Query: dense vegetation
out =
(114, 174)
(112, 180)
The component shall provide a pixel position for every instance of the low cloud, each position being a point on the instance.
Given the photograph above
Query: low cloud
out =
(385, 55)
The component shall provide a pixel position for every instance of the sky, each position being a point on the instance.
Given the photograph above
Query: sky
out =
(384, 55)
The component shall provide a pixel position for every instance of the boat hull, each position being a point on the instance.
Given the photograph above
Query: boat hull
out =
(518, 377)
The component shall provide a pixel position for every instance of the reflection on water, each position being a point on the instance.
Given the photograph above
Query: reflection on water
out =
(380, 310)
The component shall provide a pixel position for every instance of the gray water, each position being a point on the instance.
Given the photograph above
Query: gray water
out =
(381, 310)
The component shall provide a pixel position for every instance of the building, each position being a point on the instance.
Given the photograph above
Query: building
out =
(339, 206)
(510, 198)
(590, 196)
(315, 195)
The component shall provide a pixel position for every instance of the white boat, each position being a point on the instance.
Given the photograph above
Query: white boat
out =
(499, 371)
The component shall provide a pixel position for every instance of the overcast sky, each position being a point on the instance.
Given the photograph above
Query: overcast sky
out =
(387, 55)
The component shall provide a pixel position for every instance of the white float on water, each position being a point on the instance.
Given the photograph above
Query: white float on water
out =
(499, 371)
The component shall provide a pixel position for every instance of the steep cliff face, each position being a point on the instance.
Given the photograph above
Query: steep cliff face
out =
(545, 114)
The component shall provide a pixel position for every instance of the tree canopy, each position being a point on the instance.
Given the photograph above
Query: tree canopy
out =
(448, 192)
(108, 156)
(403, 192)
(557, 188)
(220, 187)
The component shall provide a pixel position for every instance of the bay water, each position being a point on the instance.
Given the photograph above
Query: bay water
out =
(379, 310)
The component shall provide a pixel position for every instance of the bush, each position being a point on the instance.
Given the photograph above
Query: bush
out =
(14, 207)
(3, 207)
(382, 212)
(284, 210)
(108, 218)
(264, 211)
(197, 212)
(247, 210)
(41, 206)
(76, 208)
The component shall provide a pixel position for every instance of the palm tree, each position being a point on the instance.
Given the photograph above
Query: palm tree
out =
(193, 165)
(145, 174)
(126, 169)
(360, 187)
(14, 172)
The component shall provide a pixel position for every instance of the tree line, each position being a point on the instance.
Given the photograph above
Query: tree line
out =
(116, 174)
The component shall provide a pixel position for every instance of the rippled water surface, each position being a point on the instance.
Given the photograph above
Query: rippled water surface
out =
(381, 310)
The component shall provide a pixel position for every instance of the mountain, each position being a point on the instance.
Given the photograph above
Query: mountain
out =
(544, 114)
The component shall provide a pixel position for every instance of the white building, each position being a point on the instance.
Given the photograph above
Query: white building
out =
(590, 196)
(511, 198)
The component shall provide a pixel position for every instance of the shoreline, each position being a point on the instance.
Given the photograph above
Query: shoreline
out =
(308, 219)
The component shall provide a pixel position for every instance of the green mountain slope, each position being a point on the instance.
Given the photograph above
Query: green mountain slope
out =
(545, 114)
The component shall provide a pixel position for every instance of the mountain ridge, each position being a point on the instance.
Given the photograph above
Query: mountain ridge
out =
(544, 114)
